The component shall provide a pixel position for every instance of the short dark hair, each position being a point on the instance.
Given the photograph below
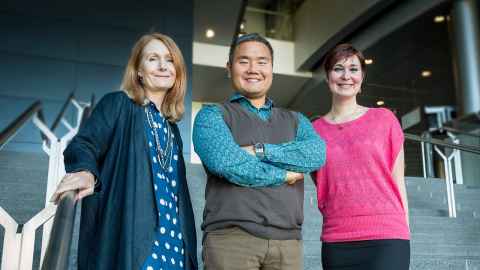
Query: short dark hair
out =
(340, 52)
(248, 37)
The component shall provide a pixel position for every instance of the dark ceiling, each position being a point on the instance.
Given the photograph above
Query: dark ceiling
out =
(400, 58)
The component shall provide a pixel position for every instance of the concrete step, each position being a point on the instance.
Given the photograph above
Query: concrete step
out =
(466, 196)
(444, 237)
(444, 223)
(444, 263)
(443, 213)
(440, 190)
(23, 160)
(452, 249)
(441, 199)
(23, 178)
(422, 209)
(314, 262)
(22, 193)
(434, 184)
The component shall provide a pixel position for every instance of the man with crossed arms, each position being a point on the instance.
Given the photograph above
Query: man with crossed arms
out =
(255, 155)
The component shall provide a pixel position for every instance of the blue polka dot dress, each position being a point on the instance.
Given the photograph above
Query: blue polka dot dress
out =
(167, 250)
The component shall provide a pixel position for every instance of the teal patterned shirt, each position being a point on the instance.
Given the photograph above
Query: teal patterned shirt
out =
(219, 152)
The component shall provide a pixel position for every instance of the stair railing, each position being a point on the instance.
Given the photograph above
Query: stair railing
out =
(19, 239)
(58, 249)
(447, 161)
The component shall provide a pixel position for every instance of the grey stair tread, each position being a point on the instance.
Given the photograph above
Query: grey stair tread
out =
(469, 237)
(451, 249)
(25, 160)
(443, 263)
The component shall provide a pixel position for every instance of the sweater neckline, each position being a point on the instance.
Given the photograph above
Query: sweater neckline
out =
(347, 123)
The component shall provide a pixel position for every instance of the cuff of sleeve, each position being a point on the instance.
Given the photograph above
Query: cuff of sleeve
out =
(281, 176)
(270, 151)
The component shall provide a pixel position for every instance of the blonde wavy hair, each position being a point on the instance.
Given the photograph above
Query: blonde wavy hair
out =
(173, 104)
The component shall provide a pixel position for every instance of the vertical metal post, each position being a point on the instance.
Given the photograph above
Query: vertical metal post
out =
(452, 212)
(28, 236)
(424, 169)
(428, 155)
(451, 186)
(466, 36)
(458, 167)
(457, 160)
(19, 241)
(11, 242)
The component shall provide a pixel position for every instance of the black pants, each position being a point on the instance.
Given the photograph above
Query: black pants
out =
(391, 254)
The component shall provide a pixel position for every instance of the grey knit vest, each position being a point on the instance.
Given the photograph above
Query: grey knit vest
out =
(269, 212)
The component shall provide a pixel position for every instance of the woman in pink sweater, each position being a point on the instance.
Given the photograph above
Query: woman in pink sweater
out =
(361, 189)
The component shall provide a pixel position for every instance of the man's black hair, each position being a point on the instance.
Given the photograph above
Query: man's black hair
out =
(248, 37)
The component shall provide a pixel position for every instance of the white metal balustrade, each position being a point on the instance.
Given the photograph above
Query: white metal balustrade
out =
(19, 239)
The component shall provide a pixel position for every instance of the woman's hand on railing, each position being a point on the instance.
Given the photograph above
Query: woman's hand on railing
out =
(83, 182)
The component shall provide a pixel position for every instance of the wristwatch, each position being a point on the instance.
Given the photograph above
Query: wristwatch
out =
(259, 150)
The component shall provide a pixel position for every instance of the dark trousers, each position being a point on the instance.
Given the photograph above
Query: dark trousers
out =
(391, 254)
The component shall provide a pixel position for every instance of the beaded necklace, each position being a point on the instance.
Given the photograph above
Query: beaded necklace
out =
(164, 156)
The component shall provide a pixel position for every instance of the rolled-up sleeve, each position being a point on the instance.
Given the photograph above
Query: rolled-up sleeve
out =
(304, 154)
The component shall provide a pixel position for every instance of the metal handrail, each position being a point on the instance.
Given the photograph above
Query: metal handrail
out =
(36, 108)
(62, 111)
(62, 230)
(58, 250)
(10, 131)
(447, 159)
(458, 131)
(461, 147)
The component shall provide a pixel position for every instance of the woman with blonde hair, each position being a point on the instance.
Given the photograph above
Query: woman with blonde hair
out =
(361, 189)
(128, 160)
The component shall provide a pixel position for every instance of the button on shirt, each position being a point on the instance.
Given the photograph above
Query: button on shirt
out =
(167, 250)
(219, 152)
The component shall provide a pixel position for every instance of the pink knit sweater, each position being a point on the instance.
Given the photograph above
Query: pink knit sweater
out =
(356, 192)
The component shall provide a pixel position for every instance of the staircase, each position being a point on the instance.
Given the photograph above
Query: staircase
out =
(438, 242)
(23, 184)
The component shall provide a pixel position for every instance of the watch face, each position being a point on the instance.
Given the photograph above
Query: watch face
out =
(259, 150)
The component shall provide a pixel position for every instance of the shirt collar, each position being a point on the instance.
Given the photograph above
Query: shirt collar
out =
(151, 106)
(237, 97)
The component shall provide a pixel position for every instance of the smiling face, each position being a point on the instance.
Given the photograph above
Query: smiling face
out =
(346, 77)
(156, 69)
(251, 69)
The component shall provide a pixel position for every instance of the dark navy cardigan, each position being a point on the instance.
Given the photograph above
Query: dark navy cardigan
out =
(119, 219)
